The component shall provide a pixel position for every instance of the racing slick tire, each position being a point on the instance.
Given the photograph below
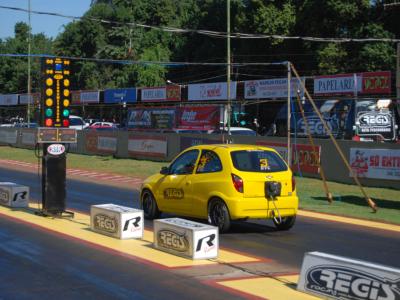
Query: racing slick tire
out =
(286, 223)
(218, 215)
(149, 205)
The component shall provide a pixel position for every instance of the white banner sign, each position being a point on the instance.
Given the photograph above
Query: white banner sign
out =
(338, 84)
(154, 94)
(9, 99)
(90, 97)
(375, 163)
(152, 147)
(105, 143)
(271, 88)
(211, 91)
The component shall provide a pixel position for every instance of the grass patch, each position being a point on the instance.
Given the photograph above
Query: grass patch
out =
(348, 199)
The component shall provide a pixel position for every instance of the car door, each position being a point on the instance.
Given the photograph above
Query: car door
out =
(175, 190)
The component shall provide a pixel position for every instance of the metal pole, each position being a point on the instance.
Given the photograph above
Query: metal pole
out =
(398, 73)
(289, 157)
(28, 113)
(228, 62)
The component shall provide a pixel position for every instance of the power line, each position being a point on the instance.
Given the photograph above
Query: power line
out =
(212, 33)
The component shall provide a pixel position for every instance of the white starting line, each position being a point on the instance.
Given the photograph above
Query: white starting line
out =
(77, 172)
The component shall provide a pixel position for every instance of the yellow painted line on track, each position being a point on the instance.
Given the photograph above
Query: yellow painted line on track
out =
(347, 220)
(79, 228)
(272, 288)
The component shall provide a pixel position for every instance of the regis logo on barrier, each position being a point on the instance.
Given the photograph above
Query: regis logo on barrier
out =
(348, 283)
(4, 196)
(172, 240)
(105, 223)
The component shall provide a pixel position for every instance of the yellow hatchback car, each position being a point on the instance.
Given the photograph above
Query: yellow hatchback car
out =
(221, 183)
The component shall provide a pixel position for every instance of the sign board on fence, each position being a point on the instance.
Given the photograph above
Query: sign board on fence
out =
(337, 277)
(375, 163)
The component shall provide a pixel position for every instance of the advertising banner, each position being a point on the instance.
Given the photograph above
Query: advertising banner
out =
(211, 91)
(120, 95)
(90, 97)
(76, 97)
(376, 82)
(101, 143)
(168, 93)
(9, 99)
(151, 118)
(375, 163)
(376, 123)
(304, 157)
(342, 84)
(32, 98)
(353, 84)
(198, 117)
(272, 88)
(149, 146)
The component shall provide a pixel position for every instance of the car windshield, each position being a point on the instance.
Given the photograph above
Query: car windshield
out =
(257, 161)
(75, 121)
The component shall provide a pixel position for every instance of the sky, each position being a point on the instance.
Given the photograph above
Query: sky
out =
(51, 26)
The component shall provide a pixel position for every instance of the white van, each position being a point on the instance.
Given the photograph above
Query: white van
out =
(77, 123)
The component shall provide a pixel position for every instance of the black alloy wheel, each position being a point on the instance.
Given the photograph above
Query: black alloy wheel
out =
(149, 205)
(286, 223)
(218, 215)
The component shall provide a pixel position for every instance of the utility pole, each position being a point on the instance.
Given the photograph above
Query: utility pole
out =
(398, 73)
(28, 112)
(289, 80)
(228, 62)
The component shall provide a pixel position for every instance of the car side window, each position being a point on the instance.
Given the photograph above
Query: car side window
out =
(185, 163)
(209, 162)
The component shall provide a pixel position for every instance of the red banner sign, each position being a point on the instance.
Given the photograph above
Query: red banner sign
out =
(198, 117)
(376, 82)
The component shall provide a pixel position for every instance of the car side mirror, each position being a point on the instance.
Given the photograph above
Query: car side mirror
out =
(164, 171)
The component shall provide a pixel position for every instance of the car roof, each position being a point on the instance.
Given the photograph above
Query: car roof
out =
(231, 147)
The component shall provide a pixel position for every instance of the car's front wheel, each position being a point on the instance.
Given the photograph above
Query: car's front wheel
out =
(218, 215)
(285, 223)
(149, 205)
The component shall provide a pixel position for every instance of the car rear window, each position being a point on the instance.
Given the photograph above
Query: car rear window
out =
(257, 161)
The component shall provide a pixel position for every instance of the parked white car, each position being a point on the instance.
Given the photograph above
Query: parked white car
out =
(76, 122)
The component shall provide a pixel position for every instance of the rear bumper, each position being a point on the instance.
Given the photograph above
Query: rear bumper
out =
(262, 208)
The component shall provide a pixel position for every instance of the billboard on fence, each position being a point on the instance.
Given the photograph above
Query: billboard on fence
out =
(353, 84)
(9, 99)
(272, 88)
(168, 93)
(90, 97)
(198, 117)
(148, 146)
(304, 157)
(32, 98)
(151, 118)
(101, 143)
(211, 91)
(375, 163)
(120, 95)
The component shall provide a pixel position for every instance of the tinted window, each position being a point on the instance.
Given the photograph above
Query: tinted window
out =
(257, 161)
(185, 163)
(75, 121)
(209, 162)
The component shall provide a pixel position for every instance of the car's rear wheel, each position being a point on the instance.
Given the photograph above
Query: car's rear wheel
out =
(218, 215)
(285, 223)
(149, 205)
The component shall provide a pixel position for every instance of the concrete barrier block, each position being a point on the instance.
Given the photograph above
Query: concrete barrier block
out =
(14, 195)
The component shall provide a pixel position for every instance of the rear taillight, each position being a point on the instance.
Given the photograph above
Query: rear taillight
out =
(237, 183)
(293, 184)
